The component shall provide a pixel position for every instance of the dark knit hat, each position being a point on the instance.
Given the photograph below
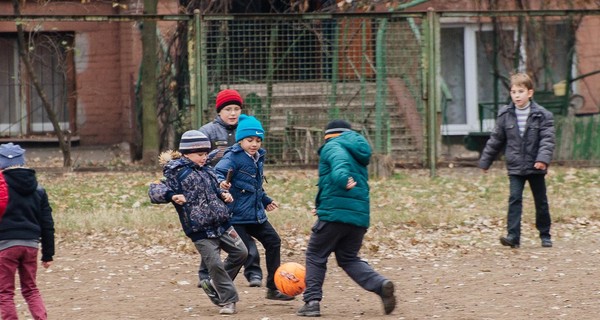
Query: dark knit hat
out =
(249, 126)
(227, 97)
(193, 141)
(11, 155)
(337, 126)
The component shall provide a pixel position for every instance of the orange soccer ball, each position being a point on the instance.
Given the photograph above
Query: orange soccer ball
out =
(289, 278)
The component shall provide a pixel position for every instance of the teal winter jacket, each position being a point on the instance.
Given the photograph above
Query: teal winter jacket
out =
(341, 157)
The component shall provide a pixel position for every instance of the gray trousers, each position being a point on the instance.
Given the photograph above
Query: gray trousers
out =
(222, 273)
(345, 240)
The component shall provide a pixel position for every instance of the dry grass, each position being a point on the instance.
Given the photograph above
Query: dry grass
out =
(117, 202)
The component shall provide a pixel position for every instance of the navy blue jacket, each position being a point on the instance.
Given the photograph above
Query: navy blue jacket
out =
(249, 197)
(204, 215)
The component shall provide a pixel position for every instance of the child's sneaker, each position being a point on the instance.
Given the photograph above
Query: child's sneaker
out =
(273, 294)
(228, 309)
(310, 309)
(210, 291)
(387, 296)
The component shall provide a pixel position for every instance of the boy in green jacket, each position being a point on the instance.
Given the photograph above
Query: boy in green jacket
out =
(342, 208)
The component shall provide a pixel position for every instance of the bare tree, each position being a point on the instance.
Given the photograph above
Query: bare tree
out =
(64, 138)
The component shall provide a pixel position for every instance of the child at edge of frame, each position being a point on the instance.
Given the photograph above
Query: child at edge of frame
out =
(246, 160)
(27, 222)
(192, 188)
(524, 130)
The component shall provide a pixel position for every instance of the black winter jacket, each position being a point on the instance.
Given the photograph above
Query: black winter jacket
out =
(28, 214)
(521, 153)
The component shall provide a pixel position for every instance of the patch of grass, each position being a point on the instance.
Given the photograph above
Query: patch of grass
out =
(86, 203)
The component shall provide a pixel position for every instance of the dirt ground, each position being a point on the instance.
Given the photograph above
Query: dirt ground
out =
(481, 281)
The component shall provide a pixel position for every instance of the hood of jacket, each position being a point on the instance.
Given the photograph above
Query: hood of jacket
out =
(356, 145)
(20, 179)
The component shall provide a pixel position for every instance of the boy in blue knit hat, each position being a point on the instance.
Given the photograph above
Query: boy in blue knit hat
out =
(246, 159)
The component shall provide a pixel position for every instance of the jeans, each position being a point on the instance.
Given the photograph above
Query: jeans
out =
(222, 273)
(251, 266)
(345, 240)
(268, 237)
(23, 259)
(537, 183)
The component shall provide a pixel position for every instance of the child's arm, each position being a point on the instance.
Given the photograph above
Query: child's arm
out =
(495, 143)
(47, 226)
(159, 192)
(547, 142)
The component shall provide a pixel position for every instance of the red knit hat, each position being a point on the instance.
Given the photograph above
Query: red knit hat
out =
(227, 97)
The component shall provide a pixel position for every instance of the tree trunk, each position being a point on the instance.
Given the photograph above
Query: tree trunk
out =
(150, 144)
(64, 138)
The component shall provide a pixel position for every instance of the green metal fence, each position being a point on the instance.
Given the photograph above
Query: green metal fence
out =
(296, 73)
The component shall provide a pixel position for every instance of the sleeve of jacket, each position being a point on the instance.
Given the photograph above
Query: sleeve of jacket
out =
(339, 161)
(159, 192)
(495, 143)
(223, 166)
(547, 139)
(3, 195)
(47, 226)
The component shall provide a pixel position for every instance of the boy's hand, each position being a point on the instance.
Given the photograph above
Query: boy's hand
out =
(540, 166)
(272, 206)
(313, 211)
(351, 183)
(46, 264)
(179, 199)
(227, 197)
(225, 185)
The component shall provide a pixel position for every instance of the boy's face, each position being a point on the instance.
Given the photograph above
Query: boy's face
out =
(230, 114)
(198, 157)
(520, 95)
(251, 144)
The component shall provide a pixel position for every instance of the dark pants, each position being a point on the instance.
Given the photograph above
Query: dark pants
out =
(537, 183)
(268, 237)
(221, 272)
(345, 240)
(251, 266)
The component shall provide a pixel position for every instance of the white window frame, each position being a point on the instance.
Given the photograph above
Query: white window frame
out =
(471, 81)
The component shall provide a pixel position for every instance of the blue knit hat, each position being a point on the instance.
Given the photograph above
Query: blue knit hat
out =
(249, 126)
(193, 141)
(11, 155)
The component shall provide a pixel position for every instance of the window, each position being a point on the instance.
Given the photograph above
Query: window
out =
(21, 109)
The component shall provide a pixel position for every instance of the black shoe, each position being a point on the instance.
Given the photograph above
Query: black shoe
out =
(546, 243)
(255, 282)
(387, 296)
(310, 309)
(509, 242)
(273, 294)
(210, 291)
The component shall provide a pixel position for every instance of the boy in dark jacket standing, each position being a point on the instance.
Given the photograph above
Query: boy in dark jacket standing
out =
(221, 133)
(343, 210)
(246, 160)
(27, 221)
(525, 132)
(193, 189)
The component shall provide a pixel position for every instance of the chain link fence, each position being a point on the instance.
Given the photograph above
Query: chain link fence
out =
(297, 73)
